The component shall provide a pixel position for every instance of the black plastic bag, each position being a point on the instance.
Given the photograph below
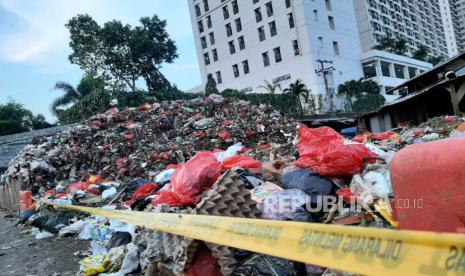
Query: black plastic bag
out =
(263, 265)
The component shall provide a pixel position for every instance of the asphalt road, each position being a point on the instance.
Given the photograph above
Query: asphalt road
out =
(21, 254)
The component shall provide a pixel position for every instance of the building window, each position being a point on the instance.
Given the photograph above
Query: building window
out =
(369, 69)
(336, 48)
(218, 77)
(331, 22)
(277, 54)
(206, 58)
(254, 1)
(412, 72)
(212, 38)
(236, 70)
(197, 10)
(315, 15)
(320, 39)
(228, 29)
(215, 55)
(272, 26)
(235, 7)
(200, 25)
(245, 66)
(209, 21)
(290, 18)
(261, 33)
(238, 24)
(295, 46)
(258, 15)
(269, 9)
(385, 69)
(328, 5)
(399, 69)
(203, 41)
(225, 12)
(205, 5)
(266, 59)
(288, 3)
(241, 43)
(232, 48)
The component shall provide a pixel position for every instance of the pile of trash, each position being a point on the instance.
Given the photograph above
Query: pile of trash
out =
(208, 156)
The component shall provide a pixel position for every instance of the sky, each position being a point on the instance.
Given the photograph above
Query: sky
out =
(34, 44)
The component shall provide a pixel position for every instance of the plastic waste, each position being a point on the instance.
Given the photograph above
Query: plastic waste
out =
(286, 205)
(44, 235)
(72, 229)
(230, 152)
(109, 193)
(263, 191)
(307, 181)
(241, 161)
(144, 191)
(315, 142)
(119, 238)
(164, 176)
(25, 200)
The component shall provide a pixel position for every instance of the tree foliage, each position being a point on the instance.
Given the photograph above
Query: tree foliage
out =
(364, 92)
(396, 45)
(298, 89)
(421, 53)
(86, 86)
(14, 118)
(270, 87)
(210, 87)
(121, 53)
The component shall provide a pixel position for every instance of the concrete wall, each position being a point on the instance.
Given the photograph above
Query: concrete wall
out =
(11, 145)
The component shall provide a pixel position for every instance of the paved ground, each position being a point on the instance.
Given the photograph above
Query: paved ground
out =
(21, 254)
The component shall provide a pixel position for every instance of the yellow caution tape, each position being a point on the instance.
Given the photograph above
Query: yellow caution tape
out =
(368, 251)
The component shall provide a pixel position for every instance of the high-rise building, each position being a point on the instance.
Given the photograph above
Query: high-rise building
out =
(243, 43)
(448, 25)
(417, 21)
(457, 10)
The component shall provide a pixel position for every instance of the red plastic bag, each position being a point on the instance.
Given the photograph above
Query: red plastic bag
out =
(345, 160)
(224, 134)
(145, 190)
(80, 186)
(362, 137)
(196, 175)
(346, 194)
(315, 142)
(242, 161)
(384, 135)
(205, 264)
(25, 200)
(174, 199)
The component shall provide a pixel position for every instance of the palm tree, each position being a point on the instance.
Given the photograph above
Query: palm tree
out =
(355, 88)
(270, 87)
(86, 86)
(298, 89)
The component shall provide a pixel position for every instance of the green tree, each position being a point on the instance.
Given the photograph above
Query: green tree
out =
(86, 86)
(435, 59)
(270, 87)
(421, 53)
(14, 118)
(358, 89)
(122, 53)
(210, 87)
(368, 102)
(396, 45)
(298, 89)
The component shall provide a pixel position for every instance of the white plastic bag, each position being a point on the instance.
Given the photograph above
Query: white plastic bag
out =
(231, 151)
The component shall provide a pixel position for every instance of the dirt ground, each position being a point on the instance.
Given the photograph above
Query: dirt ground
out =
(21, 254)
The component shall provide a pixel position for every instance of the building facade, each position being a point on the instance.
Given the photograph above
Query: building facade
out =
(457, 10)
(448, 24)
(417, 21)
(243, 43)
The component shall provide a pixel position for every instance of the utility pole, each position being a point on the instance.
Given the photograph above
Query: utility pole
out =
(325, 71)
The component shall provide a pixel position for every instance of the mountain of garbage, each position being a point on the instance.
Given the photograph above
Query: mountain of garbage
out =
(208, 156)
